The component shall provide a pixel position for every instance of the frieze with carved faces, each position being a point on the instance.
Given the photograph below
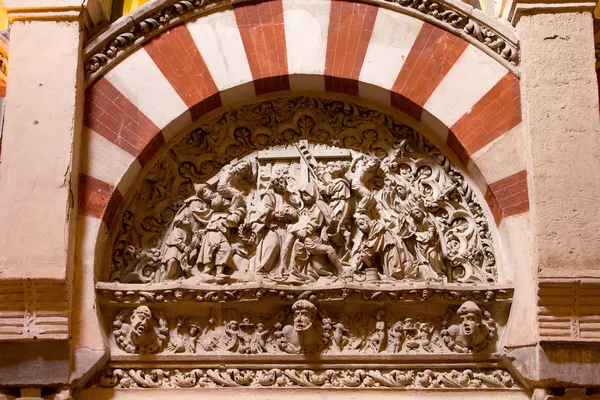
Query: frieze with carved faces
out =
(303, 191)
(305, 328)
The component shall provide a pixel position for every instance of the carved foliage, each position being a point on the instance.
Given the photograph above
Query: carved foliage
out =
(491, 378)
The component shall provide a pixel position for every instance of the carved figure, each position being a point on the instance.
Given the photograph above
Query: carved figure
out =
(273, 211)
(340, 337)
(175, 258)
(378, 249)
(472, 334)
(307, 239)
(177, 341)
(396, 336)
(259, 340)
(376, 340)
(215, 252)
(232, 336)
(233, 177)
(427, 246)
(365, 169)
(304, 336)
(338, 190)
(139, 334)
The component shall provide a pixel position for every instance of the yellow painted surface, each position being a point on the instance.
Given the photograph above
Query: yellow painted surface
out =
(130, 5)
(3, 18)
(597, 10)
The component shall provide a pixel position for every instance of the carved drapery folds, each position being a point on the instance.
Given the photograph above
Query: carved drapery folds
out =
(298, 228)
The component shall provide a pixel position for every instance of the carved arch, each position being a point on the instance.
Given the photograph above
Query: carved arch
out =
(121, 38)
(126, 129)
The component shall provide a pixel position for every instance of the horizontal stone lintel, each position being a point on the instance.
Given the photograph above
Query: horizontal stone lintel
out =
(177, 292)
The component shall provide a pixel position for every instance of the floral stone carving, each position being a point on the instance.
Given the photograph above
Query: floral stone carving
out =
(490, 378)
(255, 195)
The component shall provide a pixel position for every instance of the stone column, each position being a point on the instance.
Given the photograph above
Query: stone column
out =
(40, 151)
(562, 133)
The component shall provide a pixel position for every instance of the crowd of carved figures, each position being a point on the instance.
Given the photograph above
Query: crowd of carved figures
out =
(305, 329)
(378, 203)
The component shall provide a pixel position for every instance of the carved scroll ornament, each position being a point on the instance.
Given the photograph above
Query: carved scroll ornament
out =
(303, 191)
(490, 378)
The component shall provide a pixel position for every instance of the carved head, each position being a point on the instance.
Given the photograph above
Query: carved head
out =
(309, 193)
(194, 329)
(337, 169)
(243, 167)
(140, 320)
(402, 191)
(397, 327)
(417, 214)
(279, 184)
(470, 314)
(260, 327)
(363, 222)
(304, 314)
(372, 164)
(233, 325)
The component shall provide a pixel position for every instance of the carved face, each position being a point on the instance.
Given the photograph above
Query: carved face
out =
(140, 321)
(363, 224)
(470, 324)
(373, 164)
(194, 330)
(260, 327)
(417, 214)
(302, 320)
(401, 190)
(233, 325)
(307, 198)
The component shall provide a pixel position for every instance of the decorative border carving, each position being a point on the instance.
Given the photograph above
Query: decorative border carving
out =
(33, 309)
(568, 310)
(131, 31)
(491, 378)
(116, 293)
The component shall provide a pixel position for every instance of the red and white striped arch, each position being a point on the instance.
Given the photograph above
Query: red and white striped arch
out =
(462, 97)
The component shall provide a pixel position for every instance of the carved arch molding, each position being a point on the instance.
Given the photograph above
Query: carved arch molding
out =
(304, 242)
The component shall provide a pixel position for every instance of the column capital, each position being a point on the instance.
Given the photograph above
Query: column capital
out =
(44, 10)
(527, 7)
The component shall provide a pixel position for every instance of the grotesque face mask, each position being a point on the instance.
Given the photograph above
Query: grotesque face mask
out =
(139, 322)
(470, 325)
(302, 320)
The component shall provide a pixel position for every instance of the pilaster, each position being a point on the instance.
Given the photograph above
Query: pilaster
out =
(37, 205)
(561, 117)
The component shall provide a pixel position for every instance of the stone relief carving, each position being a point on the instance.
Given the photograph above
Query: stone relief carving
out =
(305, 328)
(490, 378)
(141, 330)
(378, 204)
(303, 229)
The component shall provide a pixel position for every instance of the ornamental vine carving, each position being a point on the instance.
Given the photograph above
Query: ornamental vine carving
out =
(491, 378)
(303, 191)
